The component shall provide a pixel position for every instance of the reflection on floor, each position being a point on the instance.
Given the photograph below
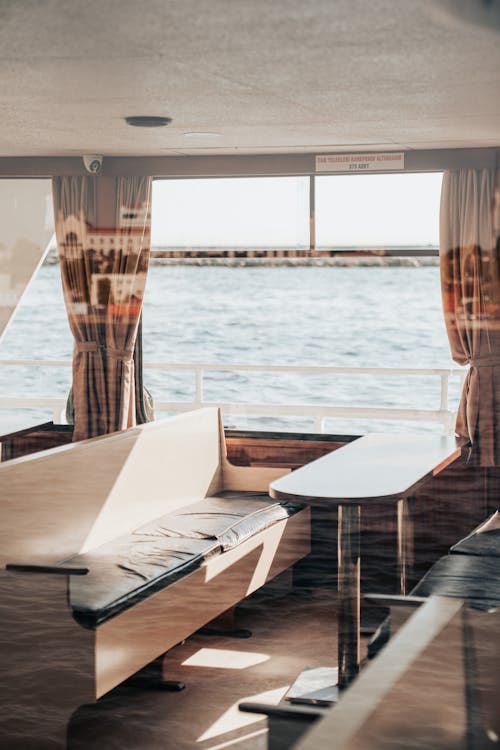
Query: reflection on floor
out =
(290, 631)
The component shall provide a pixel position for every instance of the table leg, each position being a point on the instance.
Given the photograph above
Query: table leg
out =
(349, 593)
(320, 685)
(405, 543)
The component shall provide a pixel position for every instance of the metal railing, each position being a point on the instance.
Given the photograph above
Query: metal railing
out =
(442, 414)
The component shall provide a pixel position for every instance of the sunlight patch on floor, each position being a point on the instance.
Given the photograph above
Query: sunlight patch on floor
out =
(233, 719)
(238, 740)
(219, 658)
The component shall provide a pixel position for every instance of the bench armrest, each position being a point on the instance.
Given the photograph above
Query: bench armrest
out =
(302, 713)
(57, 569)
(394, 600)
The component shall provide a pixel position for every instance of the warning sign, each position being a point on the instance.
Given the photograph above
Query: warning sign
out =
(373, 162)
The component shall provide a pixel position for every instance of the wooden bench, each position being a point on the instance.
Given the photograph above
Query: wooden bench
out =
(67, 506)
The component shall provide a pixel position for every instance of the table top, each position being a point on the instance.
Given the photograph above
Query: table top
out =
(373, 468)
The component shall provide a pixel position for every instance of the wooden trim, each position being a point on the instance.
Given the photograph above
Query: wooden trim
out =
(249, 165)
(277, 453)
(289, 437)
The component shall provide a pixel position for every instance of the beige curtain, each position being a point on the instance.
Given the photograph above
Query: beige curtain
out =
(103, 231)
(470, 283)
(144, 403)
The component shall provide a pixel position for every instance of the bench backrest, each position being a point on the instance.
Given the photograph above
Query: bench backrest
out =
(74, 498)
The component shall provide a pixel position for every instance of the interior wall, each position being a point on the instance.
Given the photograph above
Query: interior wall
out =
(235, 166)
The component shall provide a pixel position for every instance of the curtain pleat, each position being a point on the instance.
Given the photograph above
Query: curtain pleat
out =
(144, 405)
(470, 284)
(103, 270)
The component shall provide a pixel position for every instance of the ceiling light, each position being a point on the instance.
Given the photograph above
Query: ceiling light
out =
(148, 121)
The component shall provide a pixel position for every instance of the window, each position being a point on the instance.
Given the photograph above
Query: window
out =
(308, 311)
(242, 212)
(378, 211)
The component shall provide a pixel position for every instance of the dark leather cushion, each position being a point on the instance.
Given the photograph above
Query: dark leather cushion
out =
(228, 518)
(478, 582)
(485, 540)
(470, 577)
(129, 569)
(486, 543)
(132, 567)
(379, 638)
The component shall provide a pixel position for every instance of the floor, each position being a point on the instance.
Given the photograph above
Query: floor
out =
(289, 631)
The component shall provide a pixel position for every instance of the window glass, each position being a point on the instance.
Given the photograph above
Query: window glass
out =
(372, 211)
(308, 311)
(237, 212)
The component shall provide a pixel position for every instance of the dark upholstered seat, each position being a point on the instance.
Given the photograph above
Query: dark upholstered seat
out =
(485, 544)
(472, 577)
(228, 518)
(134, 566)
(127, 570)
(485, 540)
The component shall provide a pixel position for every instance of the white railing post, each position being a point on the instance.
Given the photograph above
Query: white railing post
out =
(198, 394)
(59, 415)
(451, 424)
(443, 406)
(445, 379)
(319, 423)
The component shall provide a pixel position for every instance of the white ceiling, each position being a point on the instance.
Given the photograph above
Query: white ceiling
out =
(267, 76)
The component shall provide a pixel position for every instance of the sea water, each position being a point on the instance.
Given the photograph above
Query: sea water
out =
(336, 316)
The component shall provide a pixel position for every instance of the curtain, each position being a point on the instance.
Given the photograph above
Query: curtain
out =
(103, 231)
(470, 284)
(144, 403)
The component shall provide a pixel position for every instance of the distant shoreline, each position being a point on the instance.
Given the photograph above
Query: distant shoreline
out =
(350, 261)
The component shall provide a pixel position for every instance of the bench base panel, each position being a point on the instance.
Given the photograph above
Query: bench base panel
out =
(139, 635)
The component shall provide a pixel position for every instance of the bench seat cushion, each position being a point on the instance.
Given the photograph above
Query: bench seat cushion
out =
(127, 570)
(228, 518)
(475, 578)
(485, 540)
(470, 577)
(132, 567)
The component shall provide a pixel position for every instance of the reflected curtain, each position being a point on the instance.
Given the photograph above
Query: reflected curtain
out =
(103, 238)
(470, 284)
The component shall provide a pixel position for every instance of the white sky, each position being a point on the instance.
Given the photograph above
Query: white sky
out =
(367, 210)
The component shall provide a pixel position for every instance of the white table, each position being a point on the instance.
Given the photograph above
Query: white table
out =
(373, 469)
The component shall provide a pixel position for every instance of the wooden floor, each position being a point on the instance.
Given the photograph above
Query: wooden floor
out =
(289, 633)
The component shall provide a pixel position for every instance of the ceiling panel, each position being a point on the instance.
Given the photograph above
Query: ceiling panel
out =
(264, 76)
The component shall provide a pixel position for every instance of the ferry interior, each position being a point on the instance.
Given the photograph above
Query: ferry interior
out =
(172, 578)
